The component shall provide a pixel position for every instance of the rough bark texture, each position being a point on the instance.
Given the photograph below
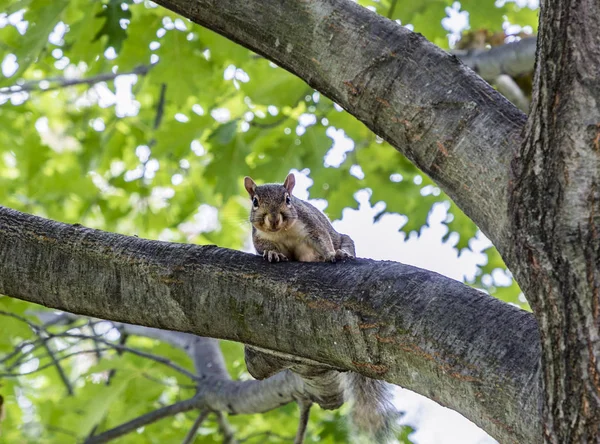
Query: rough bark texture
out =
(440, 114)
(556, 216)
(386, 320)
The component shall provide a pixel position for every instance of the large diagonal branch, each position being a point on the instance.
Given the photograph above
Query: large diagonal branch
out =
(452, 124)
(408, 326)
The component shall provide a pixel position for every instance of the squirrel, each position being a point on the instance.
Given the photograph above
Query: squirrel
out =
(286, 228)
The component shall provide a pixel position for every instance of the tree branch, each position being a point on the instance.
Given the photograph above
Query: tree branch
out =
(513, 59)
(511, 90)
(59, 369)
(148, 418)
(191, 435)
(61, 82)
(386, 320)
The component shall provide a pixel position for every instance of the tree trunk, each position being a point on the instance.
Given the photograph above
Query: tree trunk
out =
(555, 208)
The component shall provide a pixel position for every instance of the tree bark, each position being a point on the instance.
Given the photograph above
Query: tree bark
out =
(556, 217)
(411, 327)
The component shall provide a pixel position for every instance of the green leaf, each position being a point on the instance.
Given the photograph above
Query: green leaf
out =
(104, 396)
(113, 13)
(42, 15)
(282, 88)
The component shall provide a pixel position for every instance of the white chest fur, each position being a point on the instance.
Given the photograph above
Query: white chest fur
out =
(294, 243)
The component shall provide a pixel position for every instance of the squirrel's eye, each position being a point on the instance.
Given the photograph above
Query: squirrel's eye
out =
(288, 200)
(255, 202)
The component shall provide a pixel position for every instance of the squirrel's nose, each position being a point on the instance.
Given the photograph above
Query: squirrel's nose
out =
(275, 219)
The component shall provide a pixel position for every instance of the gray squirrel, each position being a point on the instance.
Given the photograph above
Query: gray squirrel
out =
(285, 228)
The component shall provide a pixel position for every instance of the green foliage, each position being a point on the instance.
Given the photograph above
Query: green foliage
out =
(162, 157)
(113, 13)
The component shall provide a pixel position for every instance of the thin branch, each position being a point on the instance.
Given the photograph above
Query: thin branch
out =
(59, 369)
(44, 342)
(50, 364)
(134, 351)
(225, 429)
(191, 435)
(36, 343)
(21, 360)
(303, 422)
(62, 82)
(148, 418)
(160, 107)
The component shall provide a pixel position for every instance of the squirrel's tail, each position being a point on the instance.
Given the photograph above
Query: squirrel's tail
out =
(373, 414)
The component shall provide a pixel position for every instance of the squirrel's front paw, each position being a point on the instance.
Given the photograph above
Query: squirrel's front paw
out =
(343, 254)
(274, 256)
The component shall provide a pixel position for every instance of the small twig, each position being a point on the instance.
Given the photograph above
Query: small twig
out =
(225, 429)
(64, 83)
(50, 364)
(303, 423)
(160, 107)
(59, 369)
(18, 349)
(21, 360)
(191, 434)
(134, 351)
(112, 372)
(148, 418)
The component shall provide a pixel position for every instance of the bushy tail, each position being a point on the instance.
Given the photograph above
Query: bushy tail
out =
(373, 414)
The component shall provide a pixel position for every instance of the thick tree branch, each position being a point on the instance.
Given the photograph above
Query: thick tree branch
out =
(386, 320)
(513, 59)
(425, 102)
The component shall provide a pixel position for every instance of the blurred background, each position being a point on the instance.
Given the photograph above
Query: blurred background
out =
(123, 116)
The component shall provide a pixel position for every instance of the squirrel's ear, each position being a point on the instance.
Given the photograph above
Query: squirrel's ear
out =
(289, 183)
(250, 186)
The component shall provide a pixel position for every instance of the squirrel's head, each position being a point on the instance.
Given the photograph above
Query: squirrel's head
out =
(272, 204)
